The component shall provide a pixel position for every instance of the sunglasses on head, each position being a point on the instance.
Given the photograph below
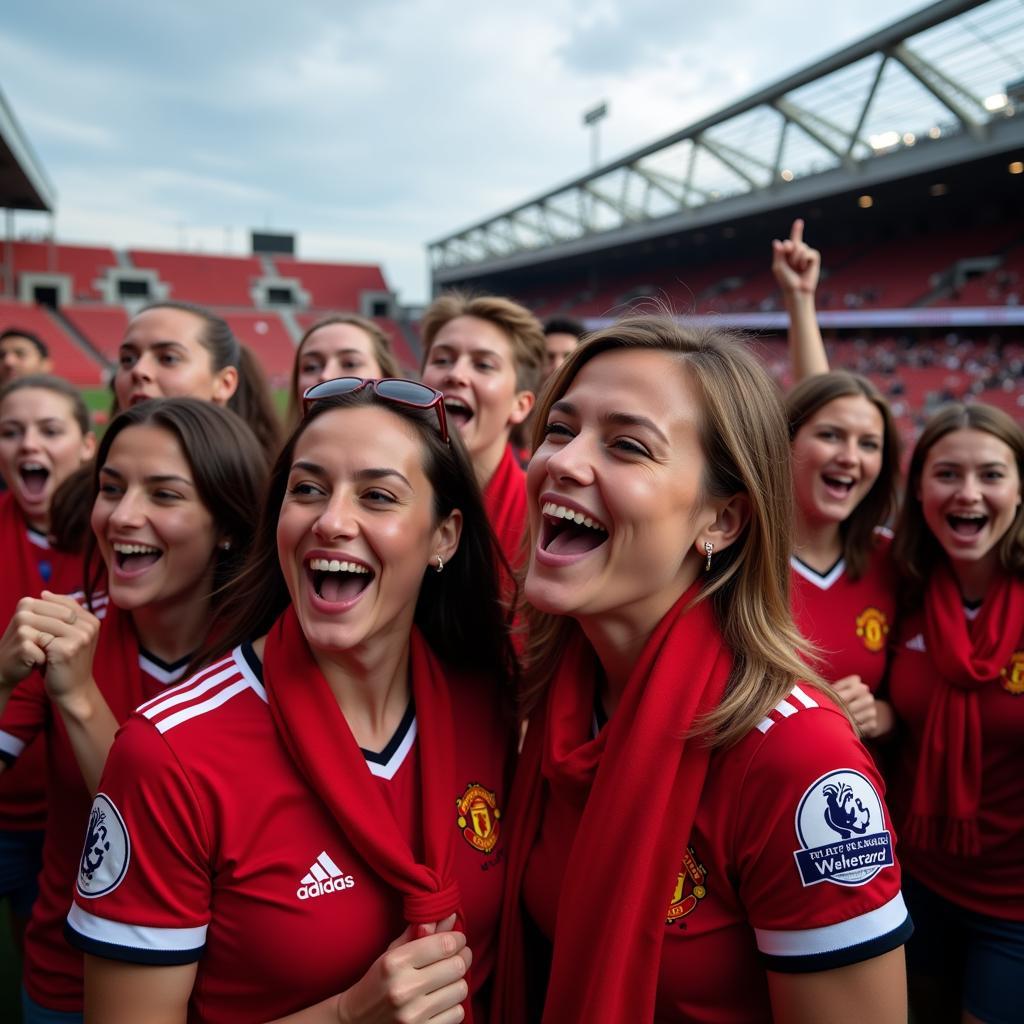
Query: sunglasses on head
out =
(392, 389)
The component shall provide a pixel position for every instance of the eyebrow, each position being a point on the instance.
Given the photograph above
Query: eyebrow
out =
(156, 344)
(624, 419)
(473, 351)
(951, 463)
(373, 473)
(153, 478)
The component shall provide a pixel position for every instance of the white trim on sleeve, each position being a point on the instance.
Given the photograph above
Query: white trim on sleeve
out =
(10, 744)
(854, 932)
(135, 936)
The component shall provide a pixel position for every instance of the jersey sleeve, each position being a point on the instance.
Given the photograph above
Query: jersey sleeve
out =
(25, 716)
(814, 846)
(142, 894)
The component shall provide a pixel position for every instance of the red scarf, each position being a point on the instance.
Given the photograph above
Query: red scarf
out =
(505, 502)
(21, 560)
(316, 735)
(968, 655)
(644, 762)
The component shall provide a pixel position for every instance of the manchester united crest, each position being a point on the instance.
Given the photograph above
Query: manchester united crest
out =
(1013, 675)
(690, 888)
(872, 628)
(479, 817)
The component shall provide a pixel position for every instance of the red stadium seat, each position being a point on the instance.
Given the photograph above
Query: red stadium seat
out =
(69, 359)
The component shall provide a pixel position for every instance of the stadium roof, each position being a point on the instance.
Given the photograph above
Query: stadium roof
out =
(23, 182)
(942, 86)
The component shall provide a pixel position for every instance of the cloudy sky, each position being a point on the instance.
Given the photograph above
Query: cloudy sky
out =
(368, 128)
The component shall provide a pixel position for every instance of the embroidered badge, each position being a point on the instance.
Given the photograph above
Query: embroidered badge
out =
(841, 829)
(872, 628)
(690, 888)
(1013, 675)
(107, 850)
(479, 817)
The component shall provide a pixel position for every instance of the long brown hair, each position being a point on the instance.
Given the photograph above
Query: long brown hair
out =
(744, 440)
(878, 506)
(459, 611)
(915, 549)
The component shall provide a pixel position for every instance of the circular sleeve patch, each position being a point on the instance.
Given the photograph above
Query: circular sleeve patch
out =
(106, 852)
(841, 827)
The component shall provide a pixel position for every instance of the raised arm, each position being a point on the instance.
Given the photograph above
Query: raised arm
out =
(797, 267)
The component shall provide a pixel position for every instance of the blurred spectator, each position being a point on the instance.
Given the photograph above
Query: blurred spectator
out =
(22, 353)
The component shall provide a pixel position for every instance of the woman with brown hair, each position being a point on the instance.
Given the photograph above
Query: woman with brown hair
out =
(338, 345)
(699, 833)
(956, 683)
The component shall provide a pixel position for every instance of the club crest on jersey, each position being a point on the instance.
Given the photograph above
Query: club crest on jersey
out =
(107, 850)
(873, 628)
(478, 817)
(690, 887)
(841, 828)
(1013, 675)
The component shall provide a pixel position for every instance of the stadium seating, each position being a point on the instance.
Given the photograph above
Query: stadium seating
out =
(206, 280)
(333, 285)
(69, 360)
(265, 333)
(83, 264)
(104, 326)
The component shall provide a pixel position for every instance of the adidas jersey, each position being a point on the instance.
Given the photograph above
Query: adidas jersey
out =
(52, 969)
(206, 844)
(790, 867)
(992, 882)
(847, 620)
(23, 785)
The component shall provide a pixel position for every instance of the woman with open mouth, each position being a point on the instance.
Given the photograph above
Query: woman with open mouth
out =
(486, 354)
(957, 684)
(44, 437)
(699, 832)
(846, 474)
(176, 485)
(312, 827)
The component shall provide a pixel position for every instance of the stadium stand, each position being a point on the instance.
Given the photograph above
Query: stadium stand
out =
(265, 333)
(83, 264)
(104, 326)
(334, 285)
(69, 359)
(206, 280)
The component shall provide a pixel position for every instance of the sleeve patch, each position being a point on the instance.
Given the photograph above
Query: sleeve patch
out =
(107, 850)
(840, 825)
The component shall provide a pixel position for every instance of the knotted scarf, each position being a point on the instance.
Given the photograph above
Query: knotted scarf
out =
(638, 782)
(505, 502)
(315, 733)
(968, 655)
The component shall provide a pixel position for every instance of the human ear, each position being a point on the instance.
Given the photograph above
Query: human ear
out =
(731, 518)
(225, 384)
(521, 407)
(446, 536)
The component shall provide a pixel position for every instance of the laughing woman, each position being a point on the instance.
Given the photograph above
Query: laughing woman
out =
(175, 485)
(700, 834)
(315, 820)
(956, 683)
(44, 437)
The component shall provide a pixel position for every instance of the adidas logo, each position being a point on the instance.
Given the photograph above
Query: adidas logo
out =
(323, 876)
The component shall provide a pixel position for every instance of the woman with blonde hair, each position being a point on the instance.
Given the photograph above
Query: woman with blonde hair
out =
(730, 853)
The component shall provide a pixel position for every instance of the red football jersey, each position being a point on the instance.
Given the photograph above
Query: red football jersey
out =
(23, 785)
(992, 882)
(206, 844)
(847, 620)
(790, 867)
(53, 970)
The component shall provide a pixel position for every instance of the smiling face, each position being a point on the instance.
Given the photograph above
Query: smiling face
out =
(970, 494)
(617, 512)
(472, 362)
(41, 444)
(335, 350)
(163, 356)
(157, 538)
(837, 457)
(357, 531)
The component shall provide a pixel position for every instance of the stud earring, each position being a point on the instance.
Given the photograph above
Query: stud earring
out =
(709, 550)
(440, 564)
(225, 545)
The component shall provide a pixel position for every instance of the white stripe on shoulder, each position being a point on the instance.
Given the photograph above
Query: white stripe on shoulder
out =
(853, 932)
(787, 707)
(821, 582)
(222, 696)
(135, 936)
(203, 680)
(10, 744)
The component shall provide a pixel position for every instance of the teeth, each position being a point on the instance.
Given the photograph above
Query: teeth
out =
(561, 512)
(334, 565)
(136, 549)
(33, 467)
(845, 480)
